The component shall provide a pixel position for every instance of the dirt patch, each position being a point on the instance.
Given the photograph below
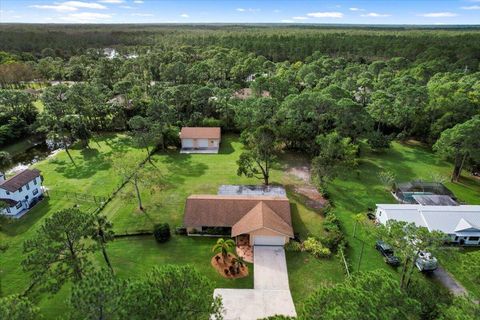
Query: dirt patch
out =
(225, 268)
(302, 173)
(313, 198)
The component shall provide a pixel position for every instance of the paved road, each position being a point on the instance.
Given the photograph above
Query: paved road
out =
(449, 282)
(271, 293)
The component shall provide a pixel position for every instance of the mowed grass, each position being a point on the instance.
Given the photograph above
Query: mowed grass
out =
(93, 172)
(93, 175)
(356, 190)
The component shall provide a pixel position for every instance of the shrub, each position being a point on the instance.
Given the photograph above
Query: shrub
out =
(161, 232)
(315, 247)
(293, 246)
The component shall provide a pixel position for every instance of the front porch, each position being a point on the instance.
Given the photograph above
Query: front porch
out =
(243, 248)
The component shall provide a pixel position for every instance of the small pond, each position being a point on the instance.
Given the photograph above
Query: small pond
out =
(37, 151)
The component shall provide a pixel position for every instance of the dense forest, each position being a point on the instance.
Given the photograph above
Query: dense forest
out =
(328, 93)
(310, 85)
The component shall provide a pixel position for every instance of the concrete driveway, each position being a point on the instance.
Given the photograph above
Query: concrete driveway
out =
(270, 268)
(271, 293)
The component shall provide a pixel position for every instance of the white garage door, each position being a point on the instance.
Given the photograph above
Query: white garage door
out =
(187, 143)
(203, 143)
(268, 241)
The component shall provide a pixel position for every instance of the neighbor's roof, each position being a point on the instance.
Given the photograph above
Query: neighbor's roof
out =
(19, 180)
(246, 93)
(200, 133)
(9, 202)
(226, 210)
(448, 219)
(261, 217)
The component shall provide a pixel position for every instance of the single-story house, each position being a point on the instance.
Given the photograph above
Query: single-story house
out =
(247, 93)
(265, 220)
(20, 192)
(200, 139)
(461, 223)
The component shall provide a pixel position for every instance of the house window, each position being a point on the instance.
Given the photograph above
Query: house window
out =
(473, 238)
(35, 191)
(28, 187)
(26, 197)
(456, 239)
(8, 192)
(35, 182)
(20, 189)
(19, 205)
(8, 210)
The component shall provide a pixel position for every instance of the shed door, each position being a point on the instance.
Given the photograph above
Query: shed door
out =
(187, 143)
(203, 143)
(268, 241)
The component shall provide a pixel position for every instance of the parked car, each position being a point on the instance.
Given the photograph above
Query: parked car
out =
(387, 253)
(425, 262)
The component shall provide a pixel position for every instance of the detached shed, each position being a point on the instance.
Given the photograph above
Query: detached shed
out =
(200, 139)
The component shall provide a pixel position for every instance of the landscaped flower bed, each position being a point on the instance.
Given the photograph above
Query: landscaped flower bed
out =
(230, 266)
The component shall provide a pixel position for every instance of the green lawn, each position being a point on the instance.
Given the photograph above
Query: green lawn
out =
(181, 175)
(358, 189)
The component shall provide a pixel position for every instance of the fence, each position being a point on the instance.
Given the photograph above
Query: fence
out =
(82, 197)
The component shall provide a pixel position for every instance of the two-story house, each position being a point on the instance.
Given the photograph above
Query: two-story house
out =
(20, 192)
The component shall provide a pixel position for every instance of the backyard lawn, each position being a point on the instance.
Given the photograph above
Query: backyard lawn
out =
(179, 175)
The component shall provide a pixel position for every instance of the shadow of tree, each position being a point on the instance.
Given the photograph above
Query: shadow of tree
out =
(29, 220)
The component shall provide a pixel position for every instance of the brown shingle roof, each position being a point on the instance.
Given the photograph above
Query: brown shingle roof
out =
(261, 217)
(19, 180)
(226, 210)
(200, 133)
(246, 93)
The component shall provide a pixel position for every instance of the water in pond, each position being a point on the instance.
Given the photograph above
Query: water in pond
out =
(38, 151)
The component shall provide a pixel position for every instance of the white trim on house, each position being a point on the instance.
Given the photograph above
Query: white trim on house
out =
(23, 198)
(461, 223)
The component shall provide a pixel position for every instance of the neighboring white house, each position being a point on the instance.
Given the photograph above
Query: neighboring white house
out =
(20, 192)
(200, 139)
(461, 223)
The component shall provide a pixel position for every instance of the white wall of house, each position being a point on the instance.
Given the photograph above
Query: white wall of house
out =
(188, 143)
(24, 196)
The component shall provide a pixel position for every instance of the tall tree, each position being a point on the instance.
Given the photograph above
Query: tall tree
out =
(257, 160)
(460, 143)
(102, 234)
(173, 292)
(334, 152)
(364, 296)
(98, 296)
(5, 161)
(15, 307)
(60, 251)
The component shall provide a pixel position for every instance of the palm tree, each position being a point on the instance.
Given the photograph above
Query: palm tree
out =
(102, 234)
(224, 246)
(238, 262)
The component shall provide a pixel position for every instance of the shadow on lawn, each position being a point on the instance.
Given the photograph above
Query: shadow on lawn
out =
(30, 219)
(93, 161)
(179, 166)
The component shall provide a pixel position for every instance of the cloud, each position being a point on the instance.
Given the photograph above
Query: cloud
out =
(438, 14)
(287, 21)
(325, 14)
(86, 17)
(112, 1)
(127, 7)
(247, 10)
(138, 1)
(300, 18)
(277, 11)
(142, 14)
(69, 6)
(376, 15)
(184, 15)
(356, 9)
(86, 5)
(471, 8)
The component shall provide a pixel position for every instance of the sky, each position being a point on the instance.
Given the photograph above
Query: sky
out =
(426, 12)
